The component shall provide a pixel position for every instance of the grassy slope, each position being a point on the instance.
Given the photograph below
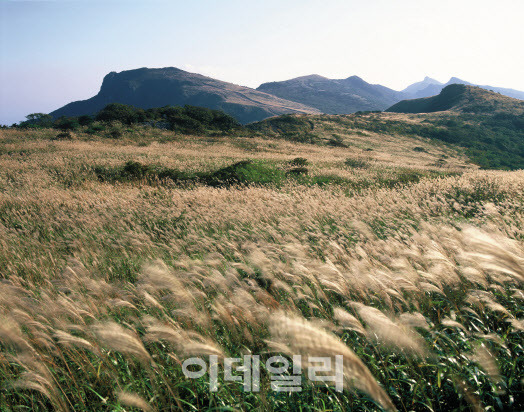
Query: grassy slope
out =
(490, 126)
(490, 141)
(91, 319)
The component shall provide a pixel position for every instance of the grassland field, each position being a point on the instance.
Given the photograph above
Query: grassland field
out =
(120, 258)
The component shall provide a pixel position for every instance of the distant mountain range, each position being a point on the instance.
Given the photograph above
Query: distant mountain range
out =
(147, 88)
(354, 94)
(462, 98)
(431, 87)
(334, 96)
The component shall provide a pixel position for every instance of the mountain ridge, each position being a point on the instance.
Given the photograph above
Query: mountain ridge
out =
(344, 96)
(461, 98)
(157, 87)
(418, 86)
(433, 89)
(147, 88)
(333, 96)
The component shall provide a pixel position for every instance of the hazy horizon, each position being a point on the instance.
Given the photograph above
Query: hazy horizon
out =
(57, 51)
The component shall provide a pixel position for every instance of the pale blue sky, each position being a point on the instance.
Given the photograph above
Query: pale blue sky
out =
(56, 51)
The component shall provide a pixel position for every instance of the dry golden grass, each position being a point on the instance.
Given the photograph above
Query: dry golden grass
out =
(197, 153)
(107, 288)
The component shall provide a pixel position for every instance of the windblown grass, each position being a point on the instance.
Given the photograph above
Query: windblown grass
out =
(108, 286)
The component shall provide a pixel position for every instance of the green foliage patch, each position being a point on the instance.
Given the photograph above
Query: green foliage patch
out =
(255, 173)
(187, 120)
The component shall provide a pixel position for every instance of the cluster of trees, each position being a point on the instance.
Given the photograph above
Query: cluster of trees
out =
(187, 119)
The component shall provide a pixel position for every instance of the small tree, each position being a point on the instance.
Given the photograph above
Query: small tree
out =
(38, 120)
(37, 117)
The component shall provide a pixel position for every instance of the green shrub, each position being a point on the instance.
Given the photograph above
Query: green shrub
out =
(135, 170)
(298, 161)
(123, 113)
(244, 173)
(85, 120)
(187, 120)
(67, 123)
(194, 120)
(95, 128)
(116, 133)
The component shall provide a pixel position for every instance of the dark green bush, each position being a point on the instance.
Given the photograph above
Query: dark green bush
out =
(194, 120)
(298, 161)
(123, 113)
(85, 120)
(244, 172)
(116, 133)
(66, 123)
(187, 120)
(135, 170)
(95, 128)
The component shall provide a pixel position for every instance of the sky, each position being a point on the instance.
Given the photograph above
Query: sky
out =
(53, 52)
